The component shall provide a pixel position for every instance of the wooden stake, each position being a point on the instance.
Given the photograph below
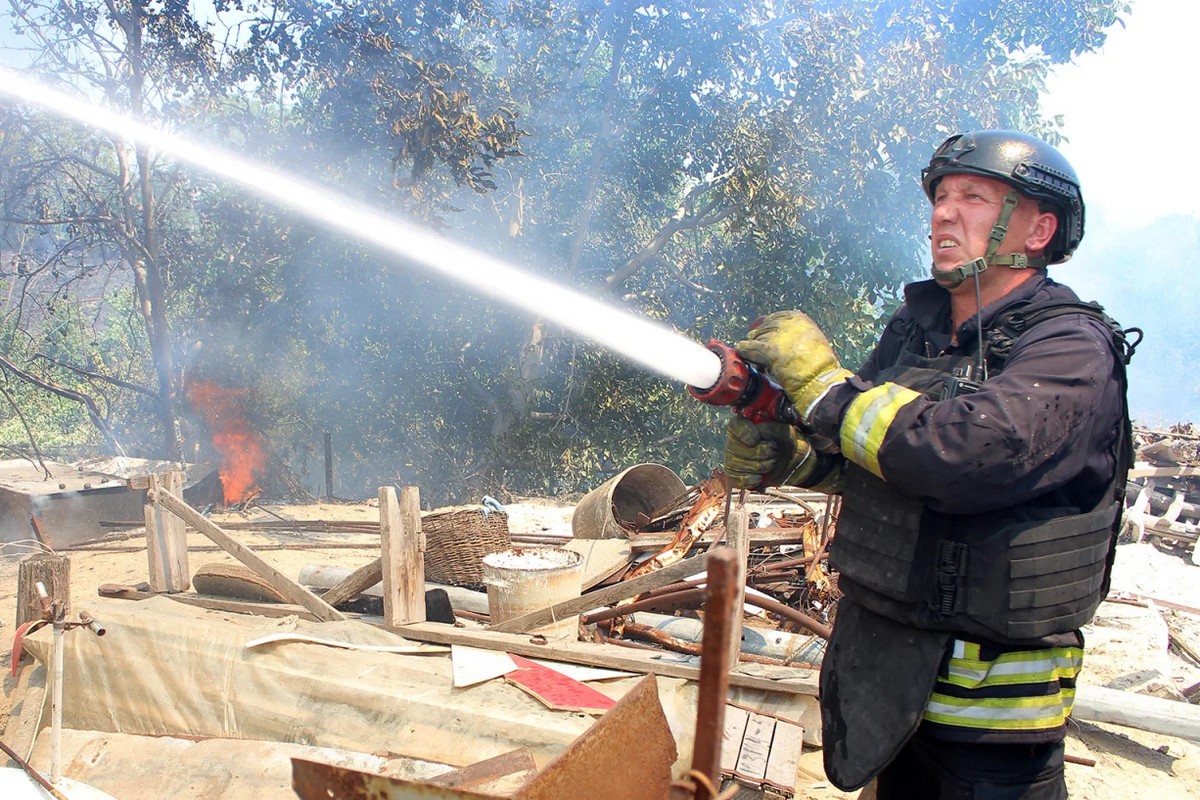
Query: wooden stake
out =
(403, 556)
(54, 572)
(166, 539)
(738, 538)
(278, 581)
(355, 583)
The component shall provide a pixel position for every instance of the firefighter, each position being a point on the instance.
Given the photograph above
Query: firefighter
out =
(981, 453)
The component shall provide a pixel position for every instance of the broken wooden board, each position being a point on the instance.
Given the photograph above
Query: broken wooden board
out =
(355, 583)
(760, 749)
(555, 690)
(790, 680)
(282, 583)
(611, 594)
(1164, 472)
(602, 558)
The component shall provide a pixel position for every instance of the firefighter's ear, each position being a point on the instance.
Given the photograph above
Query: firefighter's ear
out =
(1041, 233)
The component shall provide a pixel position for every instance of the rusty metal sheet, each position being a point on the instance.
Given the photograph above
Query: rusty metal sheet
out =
(315, 781)
(626, 755)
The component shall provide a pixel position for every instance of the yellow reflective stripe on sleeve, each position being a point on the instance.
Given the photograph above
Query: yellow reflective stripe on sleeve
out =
(867, 421)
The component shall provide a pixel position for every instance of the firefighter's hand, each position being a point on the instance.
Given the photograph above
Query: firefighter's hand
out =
(792, 349)
(766, 454)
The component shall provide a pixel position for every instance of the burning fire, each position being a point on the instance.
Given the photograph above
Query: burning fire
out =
(242, 454)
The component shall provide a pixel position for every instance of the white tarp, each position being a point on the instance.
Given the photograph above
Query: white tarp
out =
(165, 668)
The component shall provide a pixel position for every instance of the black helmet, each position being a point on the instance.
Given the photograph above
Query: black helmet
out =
(1030, 165)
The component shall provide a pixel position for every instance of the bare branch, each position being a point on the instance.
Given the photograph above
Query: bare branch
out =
(70, 394)
(28, 431)
(682, 220)
(90, 375)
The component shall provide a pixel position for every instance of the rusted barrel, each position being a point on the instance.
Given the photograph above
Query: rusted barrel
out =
(640, 490)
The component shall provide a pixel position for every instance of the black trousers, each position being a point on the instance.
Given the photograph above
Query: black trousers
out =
(935, 769)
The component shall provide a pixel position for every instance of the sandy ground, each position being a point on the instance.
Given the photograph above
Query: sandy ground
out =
(1127, 643)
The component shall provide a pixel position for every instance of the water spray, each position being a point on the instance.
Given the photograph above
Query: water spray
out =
(649, 344)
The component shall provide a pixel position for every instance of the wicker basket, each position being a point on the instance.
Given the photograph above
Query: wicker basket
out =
(457, 541)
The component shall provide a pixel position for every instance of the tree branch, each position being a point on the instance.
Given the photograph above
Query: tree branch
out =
(28, 431)
(70, 394)
(99, 377)
(681, 220)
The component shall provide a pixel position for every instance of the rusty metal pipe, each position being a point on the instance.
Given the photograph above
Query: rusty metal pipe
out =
(720, 598)
(33, 773)
(669, 642)
(669, 600)
(778, 566)
(804, 620)
(682, 597)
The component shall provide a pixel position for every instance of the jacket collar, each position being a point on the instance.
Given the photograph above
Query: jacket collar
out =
(929, 304)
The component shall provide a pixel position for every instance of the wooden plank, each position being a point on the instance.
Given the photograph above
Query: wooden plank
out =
(736, 718)
(273, 610)
(602, 558)
(278, 581)
(785, 755)
(355, 583)
(770, 536)
(610, 594)
(166, 538)
(1164, 472)
(403, 559)
(756, 748)
(739, 541)
(799, 681)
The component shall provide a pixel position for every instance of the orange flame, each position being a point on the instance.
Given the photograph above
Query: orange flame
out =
(242, 455)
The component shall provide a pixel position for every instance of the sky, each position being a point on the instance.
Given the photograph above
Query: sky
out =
(1130, 117)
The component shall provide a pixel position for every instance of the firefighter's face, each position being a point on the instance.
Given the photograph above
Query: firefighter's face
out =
(965, 207)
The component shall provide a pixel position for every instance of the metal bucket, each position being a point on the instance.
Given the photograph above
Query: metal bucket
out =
(526, 579)
(642, 489)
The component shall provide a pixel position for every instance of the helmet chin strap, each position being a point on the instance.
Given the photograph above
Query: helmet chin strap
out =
(951, 278)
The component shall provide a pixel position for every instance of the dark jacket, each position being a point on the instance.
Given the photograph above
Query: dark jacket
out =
(1041, 432)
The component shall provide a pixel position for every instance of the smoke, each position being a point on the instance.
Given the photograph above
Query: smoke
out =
(1144, 277)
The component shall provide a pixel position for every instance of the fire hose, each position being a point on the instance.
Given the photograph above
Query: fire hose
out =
(744, 386)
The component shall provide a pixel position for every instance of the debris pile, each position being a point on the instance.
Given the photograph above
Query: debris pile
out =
(1163, 493)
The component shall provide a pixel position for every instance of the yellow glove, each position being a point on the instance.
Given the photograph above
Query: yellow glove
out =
(792, 348)
(766, 454)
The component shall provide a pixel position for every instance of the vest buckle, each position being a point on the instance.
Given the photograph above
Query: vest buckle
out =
(949, 599)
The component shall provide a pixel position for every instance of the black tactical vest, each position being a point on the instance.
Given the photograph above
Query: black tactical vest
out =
(1013, 576)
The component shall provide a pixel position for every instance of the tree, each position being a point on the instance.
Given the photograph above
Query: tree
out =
(699, 162)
